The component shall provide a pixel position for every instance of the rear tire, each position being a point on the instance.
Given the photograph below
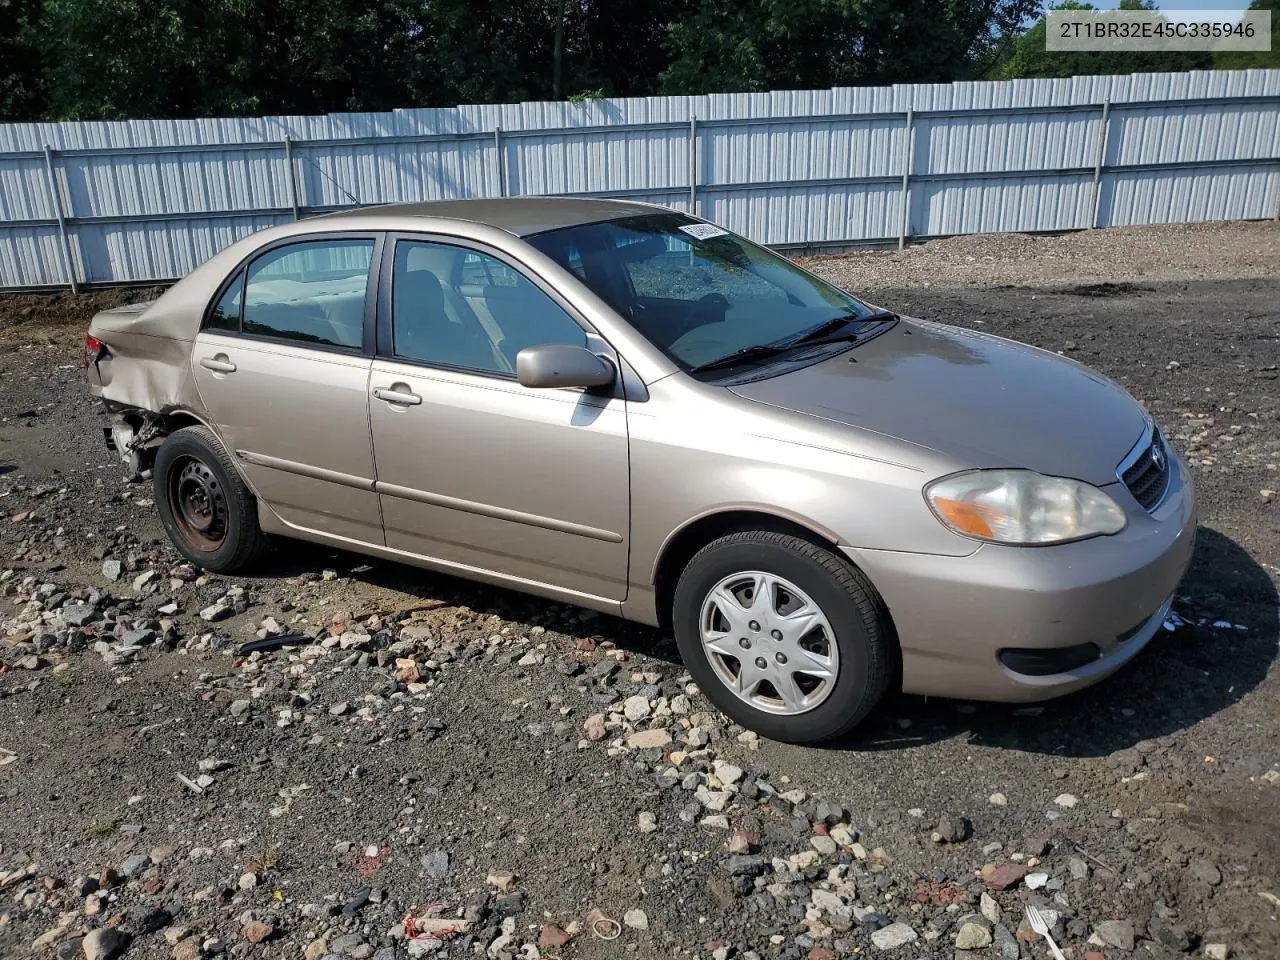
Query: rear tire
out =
(784, 636)
(209, 514)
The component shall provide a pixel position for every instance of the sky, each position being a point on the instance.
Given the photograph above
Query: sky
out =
(1183, 9)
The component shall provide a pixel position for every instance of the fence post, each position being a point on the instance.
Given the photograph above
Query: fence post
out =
(908, 156)
(1104, 137)
(693, 165)
(56, 197)
(291, 174)
(502, 163)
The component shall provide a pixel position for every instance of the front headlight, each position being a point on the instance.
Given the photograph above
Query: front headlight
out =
(1021, 507)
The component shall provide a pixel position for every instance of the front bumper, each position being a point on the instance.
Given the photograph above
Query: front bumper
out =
(955, 615)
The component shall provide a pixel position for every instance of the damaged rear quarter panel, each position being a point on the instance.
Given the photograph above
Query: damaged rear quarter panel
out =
(150, 363)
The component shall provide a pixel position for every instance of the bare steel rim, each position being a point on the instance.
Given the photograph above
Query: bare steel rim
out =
(198, 503)
(769, 643)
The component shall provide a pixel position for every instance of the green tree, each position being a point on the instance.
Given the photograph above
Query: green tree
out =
(1255, 59)
(22, 87)
(728, 45)
(1029, 58)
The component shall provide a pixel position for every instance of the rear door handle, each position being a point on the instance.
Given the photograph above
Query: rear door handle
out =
(218, 364)
(402, 397)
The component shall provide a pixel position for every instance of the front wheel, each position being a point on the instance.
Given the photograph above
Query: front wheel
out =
(784, 636)
(208, 512)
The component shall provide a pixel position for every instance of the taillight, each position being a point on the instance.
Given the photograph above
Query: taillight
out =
(93, 349)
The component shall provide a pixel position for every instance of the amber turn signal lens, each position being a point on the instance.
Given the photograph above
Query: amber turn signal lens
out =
(964, 517)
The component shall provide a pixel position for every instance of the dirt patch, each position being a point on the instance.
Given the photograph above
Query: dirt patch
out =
(25, 317)
(1191, 251)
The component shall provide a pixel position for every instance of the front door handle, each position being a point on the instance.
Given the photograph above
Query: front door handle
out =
(402, 397)
(218, 364)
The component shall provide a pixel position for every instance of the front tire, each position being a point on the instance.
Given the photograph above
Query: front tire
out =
(207, 511)
(784, 636)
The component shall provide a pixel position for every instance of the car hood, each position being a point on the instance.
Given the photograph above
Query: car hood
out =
(977, 398)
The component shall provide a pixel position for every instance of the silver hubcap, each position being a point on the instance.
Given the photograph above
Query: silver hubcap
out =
(769, 642)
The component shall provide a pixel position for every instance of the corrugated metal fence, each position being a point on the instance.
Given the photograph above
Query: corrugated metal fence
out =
(93, 203)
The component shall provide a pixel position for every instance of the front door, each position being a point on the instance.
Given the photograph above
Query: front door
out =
(472, 468)
(282, 365)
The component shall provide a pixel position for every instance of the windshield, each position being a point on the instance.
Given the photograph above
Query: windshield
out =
(697, 292)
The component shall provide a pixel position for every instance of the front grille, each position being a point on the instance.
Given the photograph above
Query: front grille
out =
(1148, 476)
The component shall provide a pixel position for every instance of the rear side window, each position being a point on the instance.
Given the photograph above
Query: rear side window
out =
(312, 292)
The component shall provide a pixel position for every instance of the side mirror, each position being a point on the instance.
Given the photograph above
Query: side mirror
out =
(562, 365)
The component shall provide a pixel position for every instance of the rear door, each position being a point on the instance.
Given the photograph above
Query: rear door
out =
(473, 468)
(282, 364)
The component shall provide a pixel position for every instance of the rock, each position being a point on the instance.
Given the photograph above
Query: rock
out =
(727, 773)
(593, 726)
(1168, 933)
(1216, 951)
(1115, 933)
(1066, 800)
(407, 670)
(831, 904)
(215, 612)
(990, 909)
(239, 708)
(316, 949)
(648, 739)
(635, 708)
(648, 823)
(78, 614)
(1035, 881)
(636, 919)
(551, 937)
(112, 569)
(951, 829)
(135, 865)
(1078, 868)
(1006, 946)
(998, 800)
(1005, 876)
(436, 864)
(740, 865)
(105, 943)
(893, 936)
(973, 936)
(188, 948)
(823, 844)
(501, 880)
(1206, 872)
(248, 881)
(258, 931)
(141, 580)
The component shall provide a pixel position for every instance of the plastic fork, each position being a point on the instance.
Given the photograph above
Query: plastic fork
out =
(1038, 924)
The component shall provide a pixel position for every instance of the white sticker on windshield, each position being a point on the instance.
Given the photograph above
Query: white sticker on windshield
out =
(703, 231)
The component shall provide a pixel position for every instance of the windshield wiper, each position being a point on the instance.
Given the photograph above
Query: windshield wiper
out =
(756, 352)
(846, 327)
(830, 331)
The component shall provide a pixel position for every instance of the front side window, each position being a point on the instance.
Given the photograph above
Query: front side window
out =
(226, 313)
(697, 292)
(312, 292)
(463, 308)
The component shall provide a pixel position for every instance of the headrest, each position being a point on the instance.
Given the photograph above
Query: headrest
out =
(419, 290)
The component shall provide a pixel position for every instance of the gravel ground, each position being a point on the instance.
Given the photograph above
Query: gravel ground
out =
(509, 771)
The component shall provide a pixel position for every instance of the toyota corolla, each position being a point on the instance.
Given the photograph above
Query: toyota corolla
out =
(631, 409)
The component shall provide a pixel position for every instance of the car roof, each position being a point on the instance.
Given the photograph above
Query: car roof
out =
(521, 216)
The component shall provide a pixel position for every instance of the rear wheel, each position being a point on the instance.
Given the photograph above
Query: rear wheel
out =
(784, 636)
(208, 512)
